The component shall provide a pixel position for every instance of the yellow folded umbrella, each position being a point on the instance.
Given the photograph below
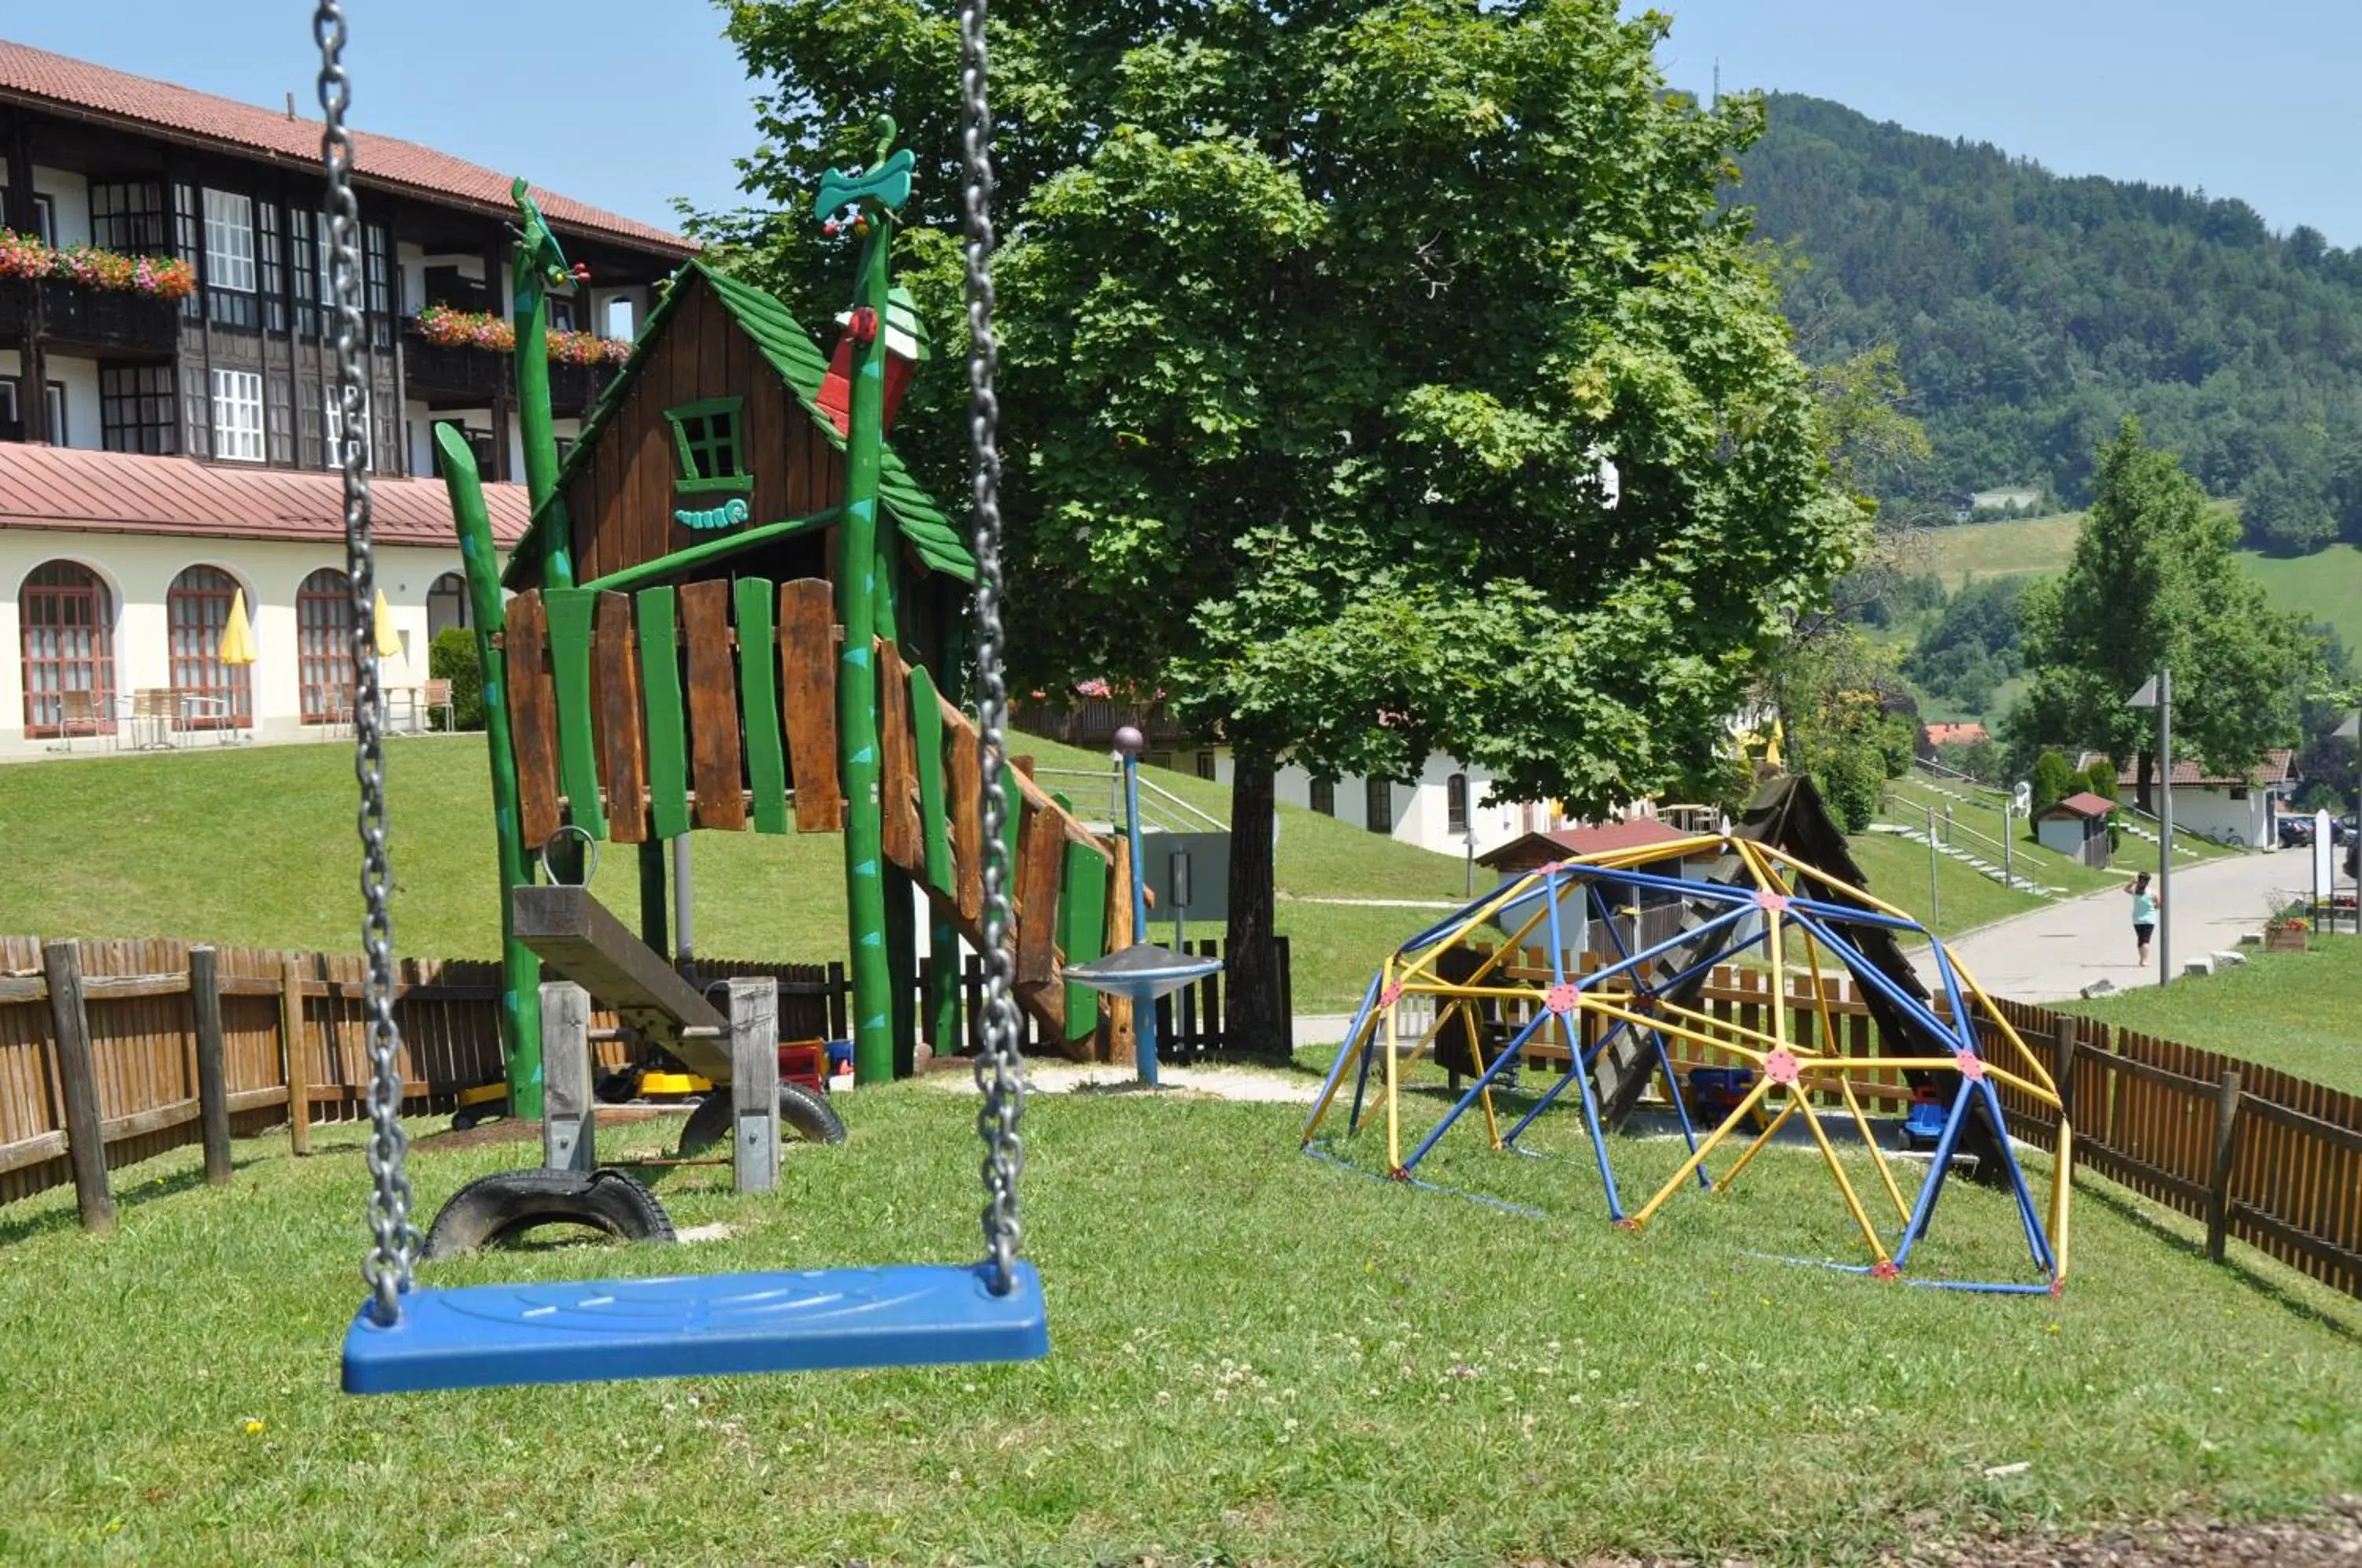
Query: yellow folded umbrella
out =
(237, 635)
(389, 641)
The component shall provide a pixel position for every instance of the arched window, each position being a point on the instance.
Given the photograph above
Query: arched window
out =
(324, 646)
(1455, 804)
(446, 606)
(68, 619)
(197, 610)
(1324, 796)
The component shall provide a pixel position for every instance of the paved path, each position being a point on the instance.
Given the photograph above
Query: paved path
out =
(2053, 953)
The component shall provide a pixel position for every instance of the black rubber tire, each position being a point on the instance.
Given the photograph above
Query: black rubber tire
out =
(803, 1115)
(619, 1087)
(496, 1207)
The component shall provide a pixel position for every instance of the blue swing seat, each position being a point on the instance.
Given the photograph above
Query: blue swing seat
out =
(482, 1336)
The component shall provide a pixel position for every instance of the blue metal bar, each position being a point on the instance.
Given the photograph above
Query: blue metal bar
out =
(1924, 1208)
(1344, 1052)
(1552, 1094)
(1678, 939)
(1872, 976)
(1993, 1288)
(1681, 1107)
(1852, 913)
(1319, 1150)
(1509, 1053)
(1362, 1084)
(1144, 1019)
(2036, 1242)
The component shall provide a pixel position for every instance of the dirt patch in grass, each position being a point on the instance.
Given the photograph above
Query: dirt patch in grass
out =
(510, 1131)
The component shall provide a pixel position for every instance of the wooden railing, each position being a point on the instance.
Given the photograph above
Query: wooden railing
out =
(142, 1042)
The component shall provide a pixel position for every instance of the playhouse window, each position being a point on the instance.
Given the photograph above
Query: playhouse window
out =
(710, 443)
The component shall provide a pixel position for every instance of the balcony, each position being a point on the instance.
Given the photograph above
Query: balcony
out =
(104, 321)
(441, 373)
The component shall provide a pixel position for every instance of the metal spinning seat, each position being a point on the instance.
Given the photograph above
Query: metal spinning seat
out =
(407, 1338)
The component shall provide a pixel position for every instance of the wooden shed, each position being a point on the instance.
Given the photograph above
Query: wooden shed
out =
(2078, 827)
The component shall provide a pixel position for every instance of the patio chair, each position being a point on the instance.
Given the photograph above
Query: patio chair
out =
(154, 710)
(80, 713)
(437, 694)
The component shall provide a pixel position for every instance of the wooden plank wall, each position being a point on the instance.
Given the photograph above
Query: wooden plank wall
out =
(144, 1045)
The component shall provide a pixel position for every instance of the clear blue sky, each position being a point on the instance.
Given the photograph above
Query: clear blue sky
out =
(630, 103)
(2253, 101)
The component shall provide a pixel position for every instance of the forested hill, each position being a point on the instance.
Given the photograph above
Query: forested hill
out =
(2031, 311)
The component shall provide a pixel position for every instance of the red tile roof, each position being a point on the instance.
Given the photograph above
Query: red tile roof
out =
(1532, 849)
(116, 492)
(1954, 735)
(2083, 803)
(2279, 767)
(85, 91)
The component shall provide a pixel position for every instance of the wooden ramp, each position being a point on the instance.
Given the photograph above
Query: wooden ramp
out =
(712, 705)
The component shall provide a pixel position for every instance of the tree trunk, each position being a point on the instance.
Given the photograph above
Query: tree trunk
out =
(1253, 1021)
(2142, 779)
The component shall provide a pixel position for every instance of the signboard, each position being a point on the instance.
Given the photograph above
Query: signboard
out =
(1189, 872)
(2324, 856)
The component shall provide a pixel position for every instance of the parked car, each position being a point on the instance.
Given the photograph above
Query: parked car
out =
(2295, 832)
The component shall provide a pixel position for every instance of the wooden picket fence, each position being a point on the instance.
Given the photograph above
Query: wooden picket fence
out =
(2256, 1154)
(144, 1022)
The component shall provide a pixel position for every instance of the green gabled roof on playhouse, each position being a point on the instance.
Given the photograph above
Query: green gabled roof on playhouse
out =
(801, 366)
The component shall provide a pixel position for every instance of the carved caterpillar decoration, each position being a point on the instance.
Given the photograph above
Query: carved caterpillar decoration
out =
(729, 514)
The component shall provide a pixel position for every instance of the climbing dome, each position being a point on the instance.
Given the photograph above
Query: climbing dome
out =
(1627, 1017)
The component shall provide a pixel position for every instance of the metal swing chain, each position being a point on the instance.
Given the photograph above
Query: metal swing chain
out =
(394, 1244)
(999, 1070)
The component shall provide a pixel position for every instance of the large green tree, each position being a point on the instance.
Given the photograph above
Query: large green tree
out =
(1320, 320)
(2154, 584)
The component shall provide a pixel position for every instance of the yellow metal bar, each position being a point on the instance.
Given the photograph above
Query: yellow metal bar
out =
(1853, 1200)
(1877, 1154)
(2062, 1190)
(1762, 1139)
(1698, 1156)
(1507, 893)
(1394, 1103)
(2007, 1029)
(1330, 1095)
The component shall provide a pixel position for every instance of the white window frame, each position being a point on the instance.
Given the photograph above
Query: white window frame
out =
(230, 240)
(237, 416)
(332, 425)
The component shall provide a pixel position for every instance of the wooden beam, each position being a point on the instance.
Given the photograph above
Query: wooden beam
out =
(755, 1083)
(296, 1054)
(78, 1077)
(213, 1074)
(575, 936)
(569, 1128)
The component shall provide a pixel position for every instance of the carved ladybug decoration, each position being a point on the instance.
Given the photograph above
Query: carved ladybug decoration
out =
(862, 327)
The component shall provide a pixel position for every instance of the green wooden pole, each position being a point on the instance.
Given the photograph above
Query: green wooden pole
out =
(539, 263)
(859, 589)
(942, 997)
(520, 970)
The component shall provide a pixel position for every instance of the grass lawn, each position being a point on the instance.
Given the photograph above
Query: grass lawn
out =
(1909, 798)
(1965, 898)
(2296, 1012)
(1258, 1357)
(257, 846)
(2035, 546)
(2326, 587)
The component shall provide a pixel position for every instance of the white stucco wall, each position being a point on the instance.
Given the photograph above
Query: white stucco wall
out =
(69, 194)
(1422, 809)
(80, 378)
(138, 571)
(2210, 811)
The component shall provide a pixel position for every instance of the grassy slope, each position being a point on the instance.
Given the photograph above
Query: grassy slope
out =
(1424, 1381)
(2327, 586)
(1965, 898)
(1909, 798)
(257, 846)
(2291, 1010)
